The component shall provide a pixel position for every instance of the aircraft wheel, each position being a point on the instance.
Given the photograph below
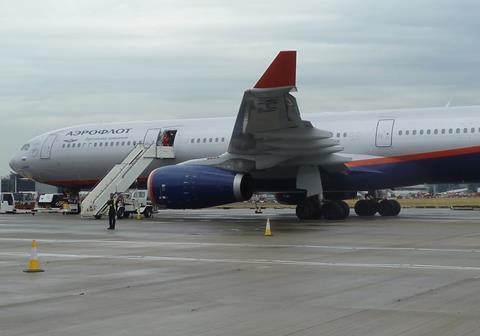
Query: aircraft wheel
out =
(147, 213)
(385, 208)
(389, 208)
(396, 207)
(303, 210)
(308, 209)
(365, 208)
(346, 208)
(334, 210)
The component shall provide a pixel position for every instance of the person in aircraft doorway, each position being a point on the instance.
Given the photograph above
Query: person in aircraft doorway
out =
(112, 211)
(166, 139)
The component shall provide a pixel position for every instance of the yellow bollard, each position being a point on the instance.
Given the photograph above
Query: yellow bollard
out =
(33, 263)
(268, 232)
(139, 215)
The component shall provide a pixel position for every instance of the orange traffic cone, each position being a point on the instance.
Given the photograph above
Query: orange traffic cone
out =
(33, 263)
(268, 232)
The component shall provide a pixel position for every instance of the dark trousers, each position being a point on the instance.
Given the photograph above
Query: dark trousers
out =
(111, 220)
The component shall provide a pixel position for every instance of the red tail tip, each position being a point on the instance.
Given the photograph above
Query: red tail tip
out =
(282, 71)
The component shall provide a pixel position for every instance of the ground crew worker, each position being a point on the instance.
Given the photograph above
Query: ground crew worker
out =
(258, 206)
(112, 211)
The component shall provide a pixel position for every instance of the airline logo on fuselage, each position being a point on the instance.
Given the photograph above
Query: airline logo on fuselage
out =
(100, 131)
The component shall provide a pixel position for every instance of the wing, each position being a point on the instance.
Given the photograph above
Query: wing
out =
(269, 130)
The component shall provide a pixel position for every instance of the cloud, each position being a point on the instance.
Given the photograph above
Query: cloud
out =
(69, 62)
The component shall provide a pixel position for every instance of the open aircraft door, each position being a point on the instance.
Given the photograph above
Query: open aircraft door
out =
(47, 146)
(384, 133)
(151, 137)
(163, 140)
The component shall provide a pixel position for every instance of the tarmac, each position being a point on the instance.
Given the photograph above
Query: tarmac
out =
(213, 272)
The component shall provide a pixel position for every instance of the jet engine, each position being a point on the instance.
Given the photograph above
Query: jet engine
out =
(196, 186)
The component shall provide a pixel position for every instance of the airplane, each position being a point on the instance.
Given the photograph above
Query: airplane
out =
(315, 161)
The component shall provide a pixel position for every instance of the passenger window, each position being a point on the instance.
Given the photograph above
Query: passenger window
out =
(435, 131)
(192, 140)
(414, 132)
(443, 130)
(68, 146)
(63, 146)
(100, 144)
(223, 139)
(338, 135)
(123, 143)
(94, 144)
(112, 143)
(198, 140)
(450, 131)
(428, 132)
(118, 143)
(465, 130)
(134, 143)
(472, 130)
(407, 132)
(421, 132)
(399, 132)
(210, 140)
(216, 139)
(458, 130)
(345, 135)
(204, 140)
(128, 143)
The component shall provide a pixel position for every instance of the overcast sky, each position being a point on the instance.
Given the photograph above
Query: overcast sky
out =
(68, 62)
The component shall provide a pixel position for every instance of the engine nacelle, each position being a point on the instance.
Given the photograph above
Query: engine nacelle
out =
(195, 186)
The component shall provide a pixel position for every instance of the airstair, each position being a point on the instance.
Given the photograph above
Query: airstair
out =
(121, 177)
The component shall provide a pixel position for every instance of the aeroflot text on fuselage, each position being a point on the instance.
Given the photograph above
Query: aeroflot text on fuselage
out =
(100, 131)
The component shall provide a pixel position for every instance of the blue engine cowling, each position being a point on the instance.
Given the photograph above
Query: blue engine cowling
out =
(195, 186)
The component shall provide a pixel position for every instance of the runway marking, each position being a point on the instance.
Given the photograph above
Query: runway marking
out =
(321, 247)
(250, 261)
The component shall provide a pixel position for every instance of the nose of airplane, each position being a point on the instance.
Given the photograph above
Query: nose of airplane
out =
(14, 164)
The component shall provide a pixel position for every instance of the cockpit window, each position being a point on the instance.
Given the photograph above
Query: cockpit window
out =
(25, 147)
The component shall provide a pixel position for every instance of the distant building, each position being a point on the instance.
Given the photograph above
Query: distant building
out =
(17, 183)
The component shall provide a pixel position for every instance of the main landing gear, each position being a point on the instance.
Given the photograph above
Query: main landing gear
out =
(311, 208)
(385, 207)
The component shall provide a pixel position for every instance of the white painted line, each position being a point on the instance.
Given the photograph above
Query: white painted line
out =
(250, 261)
(267, 245)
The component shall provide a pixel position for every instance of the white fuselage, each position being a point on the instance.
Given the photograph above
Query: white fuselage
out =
(81, 155)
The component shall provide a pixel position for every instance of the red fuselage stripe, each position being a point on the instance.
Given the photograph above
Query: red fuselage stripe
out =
(414, 157)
